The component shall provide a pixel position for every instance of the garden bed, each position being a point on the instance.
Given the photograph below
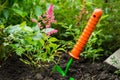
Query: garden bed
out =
(37, 30)
(13, 69)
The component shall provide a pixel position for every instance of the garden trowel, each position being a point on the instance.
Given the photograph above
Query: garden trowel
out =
(78, 47)
(114, 59)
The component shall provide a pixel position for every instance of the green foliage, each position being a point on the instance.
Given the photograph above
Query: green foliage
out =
(93, 48)
(3, 50)
(17, 11)
(112, 26)
(117, 72)
(106, 39)
(32, 43)
(71, 16)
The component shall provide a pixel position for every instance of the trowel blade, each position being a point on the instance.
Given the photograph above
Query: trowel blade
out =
(114, 59)
(59, 69)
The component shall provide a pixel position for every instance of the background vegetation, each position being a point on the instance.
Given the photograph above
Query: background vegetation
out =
(71, 17)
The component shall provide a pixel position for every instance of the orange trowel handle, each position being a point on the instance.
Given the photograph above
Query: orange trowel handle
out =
(86, 33)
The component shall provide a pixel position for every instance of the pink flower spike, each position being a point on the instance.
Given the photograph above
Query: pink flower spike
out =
(34, 20)
(55, 31)
(50, 10)
(44, 21)
(52, 32)
(39, 25)
(48, 26)
(48, 16)
(40, 17)
(53, 21)
(49, 33)
(53, 17)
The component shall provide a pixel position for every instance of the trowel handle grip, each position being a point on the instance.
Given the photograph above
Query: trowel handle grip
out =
(78, 47)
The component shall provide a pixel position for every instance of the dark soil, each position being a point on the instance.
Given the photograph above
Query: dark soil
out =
(13, 69)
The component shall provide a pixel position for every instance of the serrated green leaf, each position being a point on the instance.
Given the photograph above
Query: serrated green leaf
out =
(62, 49)
(53, 45)
(42, 42)
(48, 49)
(19, 51)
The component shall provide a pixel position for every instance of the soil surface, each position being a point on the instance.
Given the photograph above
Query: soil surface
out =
(14, 69)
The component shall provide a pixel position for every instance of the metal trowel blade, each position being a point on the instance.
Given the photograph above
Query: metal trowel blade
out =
(114, 59)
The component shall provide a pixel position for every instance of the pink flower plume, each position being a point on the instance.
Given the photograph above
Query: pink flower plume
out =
(50, 10)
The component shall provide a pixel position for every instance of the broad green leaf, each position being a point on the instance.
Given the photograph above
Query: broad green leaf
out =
(24, 27)
(38, 11)
(104, 17)
(13, 29)
(6, 13)
(52, 39)
(36, 28)
(20, 12)
(38, 36)
(23, 24)
(28, 28)
(2, 26)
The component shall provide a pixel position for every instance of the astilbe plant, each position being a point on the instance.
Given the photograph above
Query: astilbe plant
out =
(35, 43)
(46, 20)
